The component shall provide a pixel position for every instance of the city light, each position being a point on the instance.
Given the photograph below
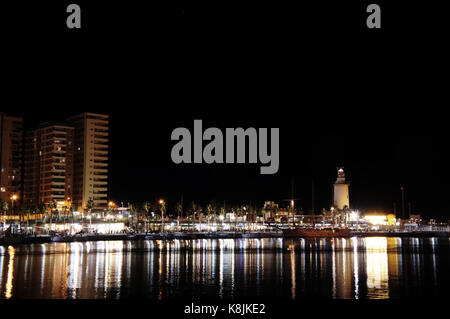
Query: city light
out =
(376, 220)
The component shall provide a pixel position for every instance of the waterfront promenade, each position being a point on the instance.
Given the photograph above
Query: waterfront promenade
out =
(29, 239)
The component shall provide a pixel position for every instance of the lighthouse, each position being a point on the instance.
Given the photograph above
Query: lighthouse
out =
(341, 198)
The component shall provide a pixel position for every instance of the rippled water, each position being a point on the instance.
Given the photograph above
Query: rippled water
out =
(373, 267)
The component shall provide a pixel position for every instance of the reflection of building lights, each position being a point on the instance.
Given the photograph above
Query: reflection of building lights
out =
(10, 276)
(377, 267)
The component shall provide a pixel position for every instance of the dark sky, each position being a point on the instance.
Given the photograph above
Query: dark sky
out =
(341, 95)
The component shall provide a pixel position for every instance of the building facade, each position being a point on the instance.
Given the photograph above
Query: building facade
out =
(91, 142)
(11, 148)
(49, 165)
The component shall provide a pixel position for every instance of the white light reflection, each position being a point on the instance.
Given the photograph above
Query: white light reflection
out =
(221, 243)
(44, 247)
(433, 245)
(75, 266)
(2, 257)
(355, 266)
(333, 258)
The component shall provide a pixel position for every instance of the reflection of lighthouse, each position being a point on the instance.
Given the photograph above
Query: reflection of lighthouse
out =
(341, 198)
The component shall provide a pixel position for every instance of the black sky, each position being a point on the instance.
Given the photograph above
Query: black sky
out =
(340, 94)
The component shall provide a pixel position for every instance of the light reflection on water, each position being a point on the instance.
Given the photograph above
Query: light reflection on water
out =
(372, 267)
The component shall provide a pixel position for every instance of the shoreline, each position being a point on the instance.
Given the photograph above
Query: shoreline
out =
(41, 239)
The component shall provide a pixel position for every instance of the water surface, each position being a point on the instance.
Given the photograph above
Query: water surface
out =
(350, 268)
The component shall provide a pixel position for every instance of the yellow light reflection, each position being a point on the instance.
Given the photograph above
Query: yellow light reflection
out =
(10, 276)
(377, 267)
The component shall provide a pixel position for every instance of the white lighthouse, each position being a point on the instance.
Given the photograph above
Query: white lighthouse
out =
(341, 198)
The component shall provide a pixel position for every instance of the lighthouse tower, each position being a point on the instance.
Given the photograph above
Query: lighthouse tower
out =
(341, 198)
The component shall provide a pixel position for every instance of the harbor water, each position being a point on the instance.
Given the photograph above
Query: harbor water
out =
(289, 268)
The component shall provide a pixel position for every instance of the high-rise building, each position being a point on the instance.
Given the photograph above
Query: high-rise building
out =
(48, 171)
(11, 139)
(341, 196)
(91, 160)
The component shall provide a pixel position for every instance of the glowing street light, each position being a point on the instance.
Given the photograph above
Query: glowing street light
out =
(14, 197)
(163, 206)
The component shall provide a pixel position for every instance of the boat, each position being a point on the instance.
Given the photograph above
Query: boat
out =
(322, 232)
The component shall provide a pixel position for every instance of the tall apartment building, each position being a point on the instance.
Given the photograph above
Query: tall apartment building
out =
(11, 138)
(48, 170)
(91, 160)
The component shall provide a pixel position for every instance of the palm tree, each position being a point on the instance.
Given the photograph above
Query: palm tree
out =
(200, 215)
(193, 211)
(148, 207)
(193, 207)
(89, 205)
(3, 208)
(28, 212)
(38, 210)
(132, 209)
(52, 206)
(209, 209)
(179, 209)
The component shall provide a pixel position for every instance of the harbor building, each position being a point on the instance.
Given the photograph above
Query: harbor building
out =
(91, 141)
(48, 170)
(11, 136)
(341, 195)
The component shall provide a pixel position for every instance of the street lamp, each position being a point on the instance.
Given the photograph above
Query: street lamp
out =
(162, 203)
(13, 199)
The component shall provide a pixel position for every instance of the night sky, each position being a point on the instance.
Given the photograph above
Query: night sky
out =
(341, 95)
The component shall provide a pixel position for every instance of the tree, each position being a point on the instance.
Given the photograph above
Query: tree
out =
(52, 206)
(179, 209)
(209, 210)
(193, 207)
(192, 210)
(3, 207)
(41, 208)
(148, 207)
(89, 205)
